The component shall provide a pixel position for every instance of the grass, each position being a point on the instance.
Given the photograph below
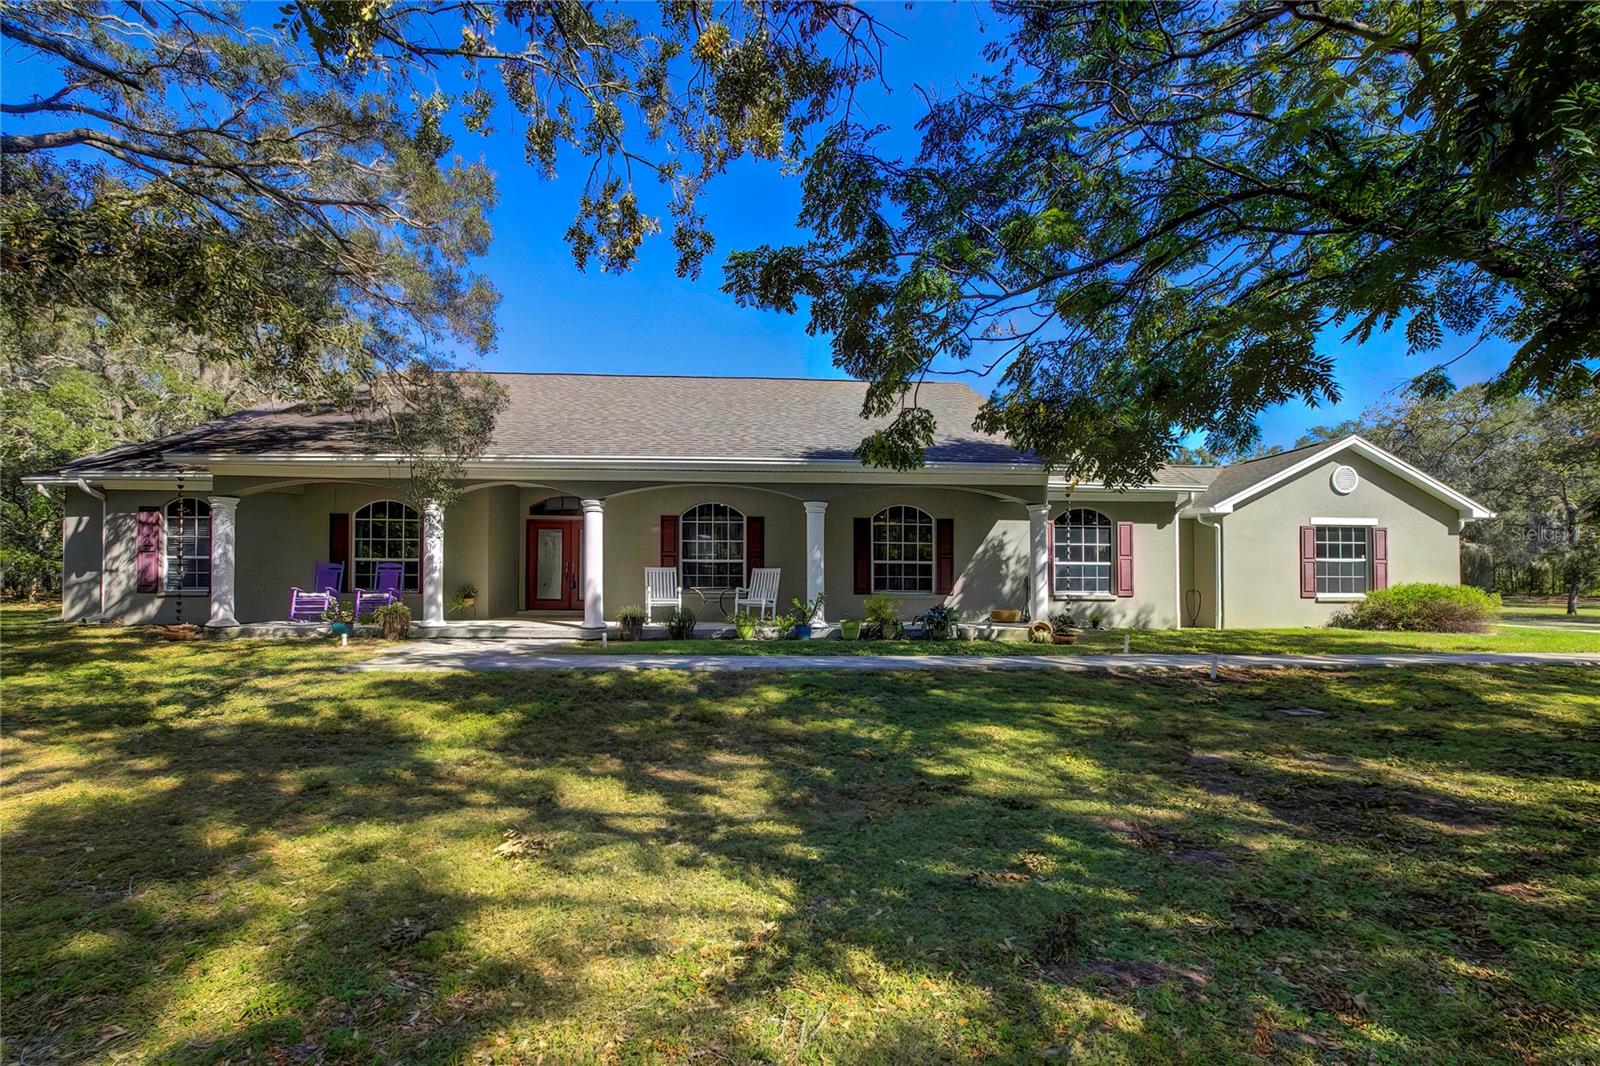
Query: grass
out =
(1550, 609)
(1201, 641)
(234, 851)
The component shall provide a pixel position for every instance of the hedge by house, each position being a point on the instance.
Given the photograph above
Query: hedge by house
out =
(1422, 607)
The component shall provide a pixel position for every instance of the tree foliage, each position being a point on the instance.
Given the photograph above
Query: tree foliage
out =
(1535, 463)
(286, 205)
(1146, 213)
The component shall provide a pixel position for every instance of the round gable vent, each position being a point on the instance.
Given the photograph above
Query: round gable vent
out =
(1345, 479)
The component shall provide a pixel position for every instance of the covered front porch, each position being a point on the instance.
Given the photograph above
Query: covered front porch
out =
(557, 559)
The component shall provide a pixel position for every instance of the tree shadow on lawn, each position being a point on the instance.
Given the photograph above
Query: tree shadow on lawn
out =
(764, 858)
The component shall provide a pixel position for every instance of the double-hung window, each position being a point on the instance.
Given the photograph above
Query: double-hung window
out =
(712, 542)
(387, 531)
(1083, 553)
(902, 550)
(1343, 560)
(188, 536)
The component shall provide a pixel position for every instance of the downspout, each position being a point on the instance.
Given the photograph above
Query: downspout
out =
(84, 486)
(1215, 524)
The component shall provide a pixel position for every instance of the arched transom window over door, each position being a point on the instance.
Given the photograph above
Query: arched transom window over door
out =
(1083, 552)
(902, 550)
(188, 536)
(712, 539)
(387, 531)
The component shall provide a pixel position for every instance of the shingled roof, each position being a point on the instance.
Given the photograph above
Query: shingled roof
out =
(593, 416)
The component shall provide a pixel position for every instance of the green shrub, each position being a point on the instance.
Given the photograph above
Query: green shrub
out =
(883, 618)
(1421, 607)
(680, 625)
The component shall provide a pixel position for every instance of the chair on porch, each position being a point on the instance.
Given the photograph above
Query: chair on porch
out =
(661, 589)
(325, 581)
(385, 590)
(761, 593)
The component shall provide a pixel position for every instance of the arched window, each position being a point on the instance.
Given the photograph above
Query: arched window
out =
(902, 550)
(1083, 555)
(188, 537)
(712, 539)
(557, 505)
(387, 531)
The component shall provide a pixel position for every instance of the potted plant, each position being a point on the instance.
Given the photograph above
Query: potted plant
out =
(394, 620)
(1063, 629)
(804, 612)
(883, 619)
(849, 629)
(630, 623)
(1041, 632)
(680, 625)
(937, 622)
(466, 599)
(745, 624)
(340, 621)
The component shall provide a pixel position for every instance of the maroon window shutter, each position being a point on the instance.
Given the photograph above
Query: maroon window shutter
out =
(669, 540)
(944, 555)
(339, 545)
(863, 555)
(149, 549)
(1308, 562)
(1124, 558)
(755, 543)
(1380, 558)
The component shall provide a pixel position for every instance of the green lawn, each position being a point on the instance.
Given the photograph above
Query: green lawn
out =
(1550, 609)
(1204, 641)
(234, 851)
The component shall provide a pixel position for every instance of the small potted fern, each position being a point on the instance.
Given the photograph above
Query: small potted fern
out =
(630, 623)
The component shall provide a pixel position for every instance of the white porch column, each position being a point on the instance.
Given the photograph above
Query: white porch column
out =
(816, 511)
(1039, 558)
(594, 564)
(432, 563)
(224, 512)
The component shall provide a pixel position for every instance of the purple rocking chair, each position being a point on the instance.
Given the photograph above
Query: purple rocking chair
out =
(387, 590)
(308, 606)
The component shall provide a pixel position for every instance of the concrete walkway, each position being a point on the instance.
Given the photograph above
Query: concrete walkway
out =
(499, 655)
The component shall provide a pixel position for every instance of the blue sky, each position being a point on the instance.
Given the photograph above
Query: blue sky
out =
(553, 317)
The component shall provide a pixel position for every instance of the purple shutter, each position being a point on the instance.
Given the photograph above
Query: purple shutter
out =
(944, 555)
(1308, 562)
(1380, 558)
(149, 541)
(1124, 558)
(863, 556)
(755, 543)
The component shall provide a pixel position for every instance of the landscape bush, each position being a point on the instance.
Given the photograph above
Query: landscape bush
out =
(1422, 607)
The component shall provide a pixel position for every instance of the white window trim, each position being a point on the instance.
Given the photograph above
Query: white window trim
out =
(166, 541)
(1347, 597)
(872, 552)
(1111, 566)
(1326, 521)
(742, 540)
(355, 541)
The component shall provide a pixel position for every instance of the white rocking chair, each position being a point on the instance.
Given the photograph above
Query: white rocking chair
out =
(661, 589)
(761, 593)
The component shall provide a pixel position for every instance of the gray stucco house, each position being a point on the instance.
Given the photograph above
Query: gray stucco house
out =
(592, 478)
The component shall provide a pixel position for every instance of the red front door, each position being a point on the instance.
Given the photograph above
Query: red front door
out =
(552, 566)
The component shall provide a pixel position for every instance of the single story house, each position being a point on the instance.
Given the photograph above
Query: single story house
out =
(592, 478)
